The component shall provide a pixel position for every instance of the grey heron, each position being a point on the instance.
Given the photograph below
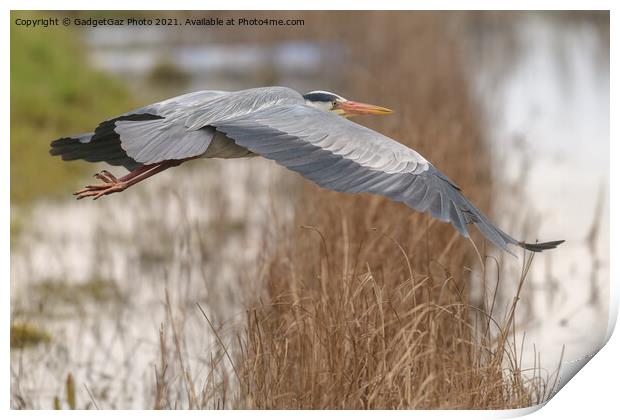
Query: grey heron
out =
(304, 133)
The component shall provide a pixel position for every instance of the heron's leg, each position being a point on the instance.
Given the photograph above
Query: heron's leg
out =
(144, 168)
(111, 184)
(108, 177)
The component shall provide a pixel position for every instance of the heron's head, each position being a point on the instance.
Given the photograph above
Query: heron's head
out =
(330, 102)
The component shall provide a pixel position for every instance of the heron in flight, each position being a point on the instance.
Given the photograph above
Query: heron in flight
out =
(305, 133)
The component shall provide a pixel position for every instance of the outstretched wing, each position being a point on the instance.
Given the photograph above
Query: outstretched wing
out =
(343, 156)
(176, 128)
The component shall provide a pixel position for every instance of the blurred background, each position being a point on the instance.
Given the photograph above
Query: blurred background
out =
(513, 106)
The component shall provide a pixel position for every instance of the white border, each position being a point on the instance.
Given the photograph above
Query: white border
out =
(592, 393)
(315, 5)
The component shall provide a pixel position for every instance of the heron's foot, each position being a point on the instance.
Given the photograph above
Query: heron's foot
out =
(110, 185)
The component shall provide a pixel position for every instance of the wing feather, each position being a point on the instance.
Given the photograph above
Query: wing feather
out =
(340, 155)
(182, 127)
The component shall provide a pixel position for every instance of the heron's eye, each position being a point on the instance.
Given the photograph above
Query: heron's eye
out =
(334, 104)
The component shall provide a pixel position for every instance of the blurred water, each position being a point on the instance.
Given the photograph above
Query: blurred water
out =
(545, 92)
(136, 52)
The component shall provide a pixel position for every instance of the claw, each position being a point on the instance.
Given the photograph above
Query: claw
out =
(106, 177)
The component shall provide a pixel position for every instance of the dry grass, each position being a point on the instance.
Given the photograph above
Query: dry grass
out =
(367, 339)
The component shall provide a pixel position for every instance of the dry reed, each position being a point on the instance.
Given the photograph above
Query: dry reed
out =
(367, 305)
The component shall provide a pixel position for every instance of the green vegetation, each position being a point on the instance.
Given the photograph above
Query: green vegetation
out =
(27, 335)
(54, 92)
(167, 73)
(61, 300)
(58, 298)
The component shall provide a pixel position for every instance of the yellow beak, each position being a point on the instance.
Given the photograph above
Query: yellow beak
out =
(351, 108)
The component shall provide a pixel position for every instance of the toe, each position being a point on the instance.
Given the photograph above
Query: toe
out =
(109, 175)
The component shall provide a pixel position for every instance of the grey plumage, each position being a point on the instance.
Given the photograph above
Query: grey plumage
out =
(343, 156)
(277, 124)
